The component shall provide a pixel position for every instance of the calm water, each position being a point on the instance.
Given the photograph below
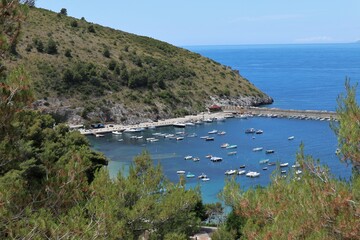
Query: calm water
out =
(296, 76)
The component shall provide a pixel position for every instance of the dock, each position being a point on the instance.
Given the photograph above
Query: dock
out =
(277, 112)
(227, 111)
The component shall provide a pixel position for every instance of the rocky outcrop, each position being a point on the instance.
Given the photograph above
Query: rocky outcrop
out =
(242, 101)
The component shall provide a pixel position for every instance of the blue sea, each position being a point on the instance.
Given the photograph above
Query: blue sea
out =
(296, 76)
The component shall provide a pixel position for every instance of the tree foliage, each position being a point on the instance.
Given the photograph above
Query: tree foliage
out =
(348, 126)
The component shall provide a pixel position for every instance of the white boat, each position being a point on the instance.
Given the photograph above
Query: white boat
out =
(169, 135)
(221, 133)
(337, 152)
(291, 138)
(250, 130)
(99, 135)
(196, 159)
(133, 130)
(180, 172)
(230, 172)
(284, 164)
(154, 140)
(209, 139)
(201, 176)
(297, 172)
(259, 131)
(189, 157)
(213, 132)
(224, 145)
(269, 151)
(179, 125)
(241, 172)
(208, 156)
(296, 165)
(208, 120)
(150, 139)
(120, 140)
(231, 153)
(231, 147)
(179, 138)
(204, 137)
(257, 149)
(116, 132)
(216, 159)
(264, 161)
(265, 168)
(192, 135)
(205, 179)
(252, 174)
(190, 175)
(189, 124)
(220, 119)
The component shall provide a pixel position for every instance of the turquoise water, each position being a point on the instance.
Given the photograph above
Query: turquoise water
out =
(296, 76)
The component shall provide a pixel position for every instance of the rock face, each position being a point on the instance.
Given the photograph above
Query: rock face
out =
(118, 113)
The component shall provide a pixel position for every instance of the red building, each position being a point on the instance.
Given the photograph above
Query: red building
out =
(214, 108)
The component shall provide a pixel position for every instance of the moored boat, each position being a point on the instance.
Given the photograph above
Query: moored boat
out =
(264, 161)
(284, 164)
(259, 131)
(224, 145)
(270, 151)
(189, 157)
(201, 176)
(230, 172)
(232, 153)
(241, 172)
(116, 132)
(252, 174)
(196, 159)
(190, 175)
(216, 159)
(180, 172)
(209, 139)
(231, 147)
(213, 131)
(258, 149)
(250, 130)
(205, 179)
(291, 138)
(179, 125)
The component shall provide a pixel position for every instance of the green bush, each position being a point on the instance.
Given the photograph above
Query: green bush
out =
(51, 47)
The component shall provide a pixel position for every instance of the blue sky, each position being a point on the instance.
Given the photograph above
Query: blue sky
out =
(227, 22)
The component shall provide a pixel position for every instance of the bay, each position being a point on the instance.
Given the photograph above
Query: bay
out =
(296, 76)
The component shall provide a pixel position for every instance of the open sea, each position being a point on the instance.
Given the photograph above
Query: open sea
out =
(296, 76)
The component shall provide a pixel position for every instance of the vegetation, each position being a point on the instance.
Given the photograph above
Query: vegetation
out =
(54, 44)
(313, 205)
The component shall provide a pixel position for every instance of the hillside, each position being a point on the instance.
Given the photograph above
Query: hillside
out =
(84, 71)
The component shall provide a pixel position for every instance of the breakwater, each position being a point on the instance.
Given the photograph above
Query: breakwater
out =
(276, 112)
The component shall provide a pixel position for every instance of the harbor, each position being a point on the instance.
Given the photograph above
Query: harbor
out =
(226, 112)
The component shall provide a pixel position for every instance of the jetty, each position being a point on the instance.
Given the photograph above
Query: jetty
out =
(226, 111)
(277, 112)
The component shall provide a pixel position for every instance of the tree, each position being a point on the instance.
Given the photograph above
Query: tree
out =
(12, 16)
(347, 128)
(63, 11)
(51, 47)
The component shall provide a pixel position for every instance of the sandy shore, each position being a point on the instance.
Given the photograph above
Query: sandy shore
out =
(161, 123)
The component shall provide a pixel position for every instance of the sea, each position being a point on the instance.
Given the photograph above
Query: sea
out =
(296, 76)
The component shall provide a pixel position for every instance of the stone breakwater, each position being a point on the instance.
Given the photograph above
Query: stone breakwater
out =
(289, 113)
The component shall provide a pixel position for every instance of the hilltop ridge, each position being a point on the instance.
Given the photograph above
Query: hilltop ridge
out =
(83, 71)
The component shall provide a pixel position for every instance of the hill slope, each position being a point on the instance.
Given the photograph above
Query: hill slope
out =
(83, 71)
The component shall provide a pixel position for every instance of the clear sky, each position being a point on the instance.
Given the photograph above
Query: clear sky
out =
(226, 22)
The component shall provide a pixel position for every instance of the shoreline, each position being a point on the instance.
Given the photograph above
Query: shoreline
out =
(161, 123)
(253, 111)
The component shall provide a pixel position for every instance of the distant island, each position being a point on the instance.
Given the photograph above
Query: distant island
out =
(84, 72)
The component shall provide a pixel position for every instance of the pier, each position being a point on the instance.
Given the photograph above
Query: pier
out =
(276, 112)
(227, 111)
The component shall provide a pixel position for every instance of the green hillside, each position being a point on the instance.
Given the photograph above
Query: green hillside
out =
(87, 71)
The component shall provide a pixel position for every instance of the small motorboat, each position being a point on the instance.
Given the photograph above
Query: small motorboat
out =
(224, 145)
(271, 164)
(179, 125)
(208, 156)
(189, 124)
(252, 174)
(116, 132)
(250, 130)
(230, 172)
(337, 151)
(269, 151)
(209, 139)
(99, 135)
(265, 168)
(201, 176)
(283, 171)
(241, 172)
(231, 147)
(242, 166)
(284, 164)
(189, 157)
(205, 179)
(291, 138)
(180, 172)
(264, 161)
(296, 165)
(216, 159)
(179, 138)
(221, 133)
(190, 175)
(213, 132)
(204, 137)
(259, 131)
(196, 159)
(297, 172)
(258, 149)
(192, 135)
(231, 153)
